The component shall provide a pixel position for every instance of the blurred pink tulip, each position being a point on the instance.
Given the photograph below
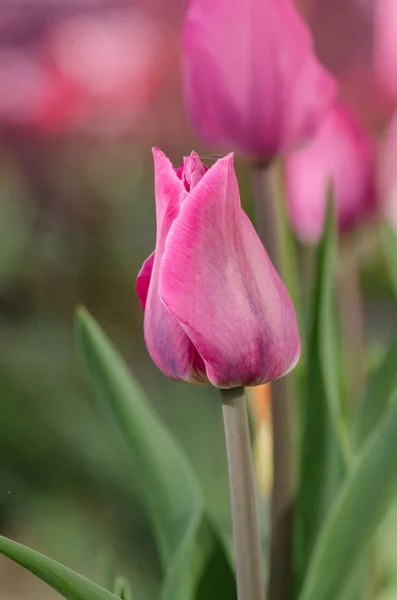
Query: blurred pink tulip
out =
(32, 94)
(387, 173)
(215, 309)
(342, 155)
(252, 82)
(348, 40)
(385, 49)
(113, 59)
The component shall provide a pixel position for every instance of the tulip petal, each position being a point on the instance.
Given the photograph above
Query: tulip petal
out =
(143, 280)
(219, 283)
(167, 343)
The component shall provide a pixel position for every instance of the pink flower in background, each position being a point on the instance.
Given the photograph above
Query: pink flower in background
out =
(113, 59)
(348, 40)
(341, 154)
(252, 81)
(387, 173)
(215, 309)
(33, 94)
(385, 49)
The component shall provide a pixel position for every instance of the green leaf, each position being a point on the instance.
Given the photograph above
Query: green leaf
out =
(363, 501)
(289, 266)
(377, 397)
(69, 584)
(389, 245)
(169, 487)
(218, 581)
(122, 588)
(323, 452)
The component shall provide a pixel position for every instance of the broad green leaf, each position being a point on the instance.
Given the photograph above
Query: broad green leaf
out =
(69, 584)
(377, 397)
(169, 487)
(389, 245)
(363, 501)
(323, 452)
(122, 589)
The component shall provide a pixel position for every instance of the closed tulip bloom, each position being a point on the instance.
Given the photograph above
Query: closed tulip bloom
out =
(252, 81)
(341, 155)
(215, 309)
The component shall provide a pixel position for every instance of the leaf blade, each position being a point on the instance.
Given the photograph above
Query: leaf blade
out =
(68, 583)
(323, 458)
(362, 502)
(168, 485)
(389, 246)
(377, 397)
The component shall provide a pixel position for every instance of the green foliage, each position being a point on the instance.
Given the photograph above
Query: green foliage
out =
(323, 451)
(389, 245)
(122, 589)
(363, 501)
(69, 584)
(379, 392)
(168, 485)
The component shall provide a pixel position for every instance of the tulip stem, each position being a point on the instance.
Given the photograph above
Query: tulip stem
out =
(247, 547)
(269, 211)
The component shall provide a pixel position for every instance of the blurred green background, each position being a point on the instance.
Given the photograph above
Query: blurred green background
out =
(76, 222)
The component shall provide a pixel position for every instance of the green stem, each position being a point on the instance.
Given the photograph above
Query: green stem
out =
(270, 229)
(243, 496)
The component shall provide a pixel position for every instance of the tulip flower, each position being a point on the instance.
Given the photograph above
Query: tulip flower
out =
(252, 81)
(215, 309)
(112, 58)
(342, 155)
(385, 52)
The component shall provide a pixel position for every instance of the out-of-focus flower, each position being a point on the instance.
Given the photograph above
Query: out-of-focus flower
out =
(341, 155)
(385, 49)
(252, 81)
(387, 173)
(215, 309)
(113, 59)
(346, 37)
(259, 401)
(31, 93)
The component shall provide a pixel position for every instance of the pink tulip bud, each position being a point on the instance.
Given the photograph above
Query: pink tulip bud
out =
(387, 173)
(215, 309)
(340, 155)
(252, 82)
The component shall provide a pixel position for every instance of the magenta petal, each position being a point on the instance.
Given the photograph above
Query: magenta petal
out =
(193, 170)
(218, 282)
(143, 280)
(167, 342)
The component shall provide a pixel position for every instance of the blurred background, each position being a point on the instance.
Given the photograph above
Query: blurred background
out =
(86, 88)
